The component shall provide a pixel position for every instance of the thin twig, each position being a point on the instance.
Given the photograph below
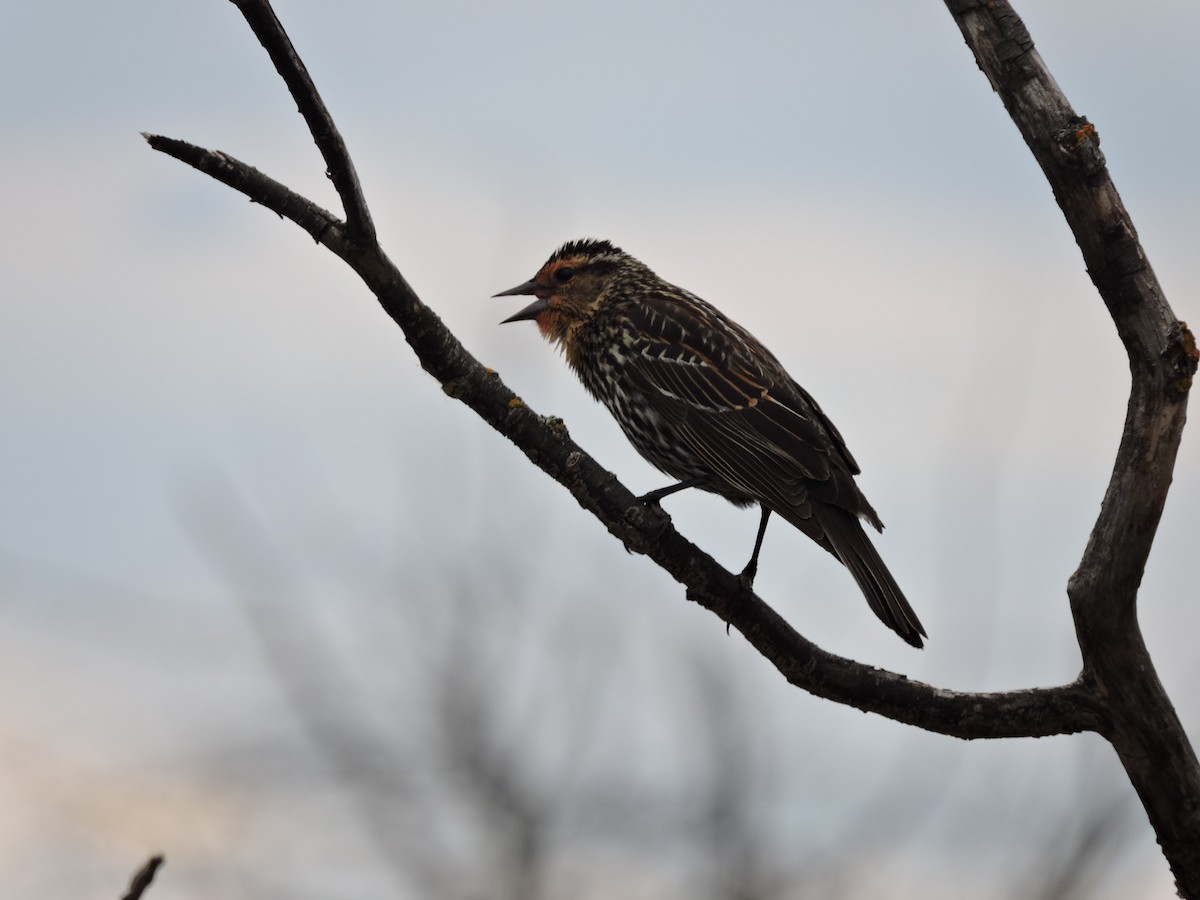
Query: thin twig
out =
(324, 227)
(142, 879)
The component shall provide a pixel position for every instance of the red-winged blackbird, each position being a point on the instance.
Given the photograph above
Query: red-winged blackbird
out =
(705, 402)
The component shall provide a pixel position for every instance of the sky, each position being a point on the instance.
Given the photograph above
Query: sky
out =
(202, 410)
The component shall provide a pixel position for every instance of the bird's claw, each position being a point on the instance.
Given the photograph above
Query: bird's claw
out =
(636, 516)
(652, 500)
(746, 577)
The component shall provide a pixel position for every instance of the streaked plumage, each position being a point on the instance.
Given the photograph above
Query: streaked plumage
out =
(706, 403)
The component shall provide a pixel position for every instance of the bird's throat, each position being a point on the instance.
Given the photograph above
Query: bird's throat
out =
(554, 326)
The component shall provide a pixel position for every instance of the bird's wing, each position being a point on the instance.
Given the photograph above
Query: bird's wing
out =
(737, 409)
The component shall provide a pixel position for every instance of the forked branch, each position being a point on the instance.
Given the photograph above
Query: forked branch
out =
(1144, 728)
(269, 30)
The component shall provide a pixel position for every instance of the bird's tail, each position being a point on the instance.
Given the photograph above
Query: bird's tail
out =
(853, 547)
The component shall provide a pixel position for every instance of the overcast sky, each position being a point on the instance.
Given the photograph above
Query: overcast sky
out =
(837, 177)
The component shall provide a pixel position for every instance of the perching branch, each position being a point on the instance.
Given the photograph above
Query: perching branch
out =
(642, 529)
(1103, 591)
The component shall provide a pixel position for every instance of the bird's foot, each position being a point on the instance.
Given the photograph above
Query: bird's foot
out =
(652, 500)
(746, 580)
(638, 517)
(746, 576)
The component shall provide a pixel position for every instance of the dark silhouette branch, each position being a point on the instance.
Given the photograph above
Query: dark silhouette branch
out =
(324, 227)
(1118, 693)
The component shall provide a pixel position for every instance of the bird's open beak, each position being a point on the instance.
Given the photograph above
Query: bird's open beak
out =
(532, 310)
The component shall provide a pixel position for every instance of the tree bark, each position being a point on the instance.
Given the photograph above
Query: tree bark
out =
(1140, 721)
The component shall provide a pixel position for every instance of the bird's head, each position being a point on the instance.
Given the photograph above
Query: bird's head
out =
(570, 287)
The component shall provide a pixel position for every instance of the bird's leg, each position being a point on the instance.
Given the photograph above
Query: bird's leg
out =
(751, 569)
(655, 496)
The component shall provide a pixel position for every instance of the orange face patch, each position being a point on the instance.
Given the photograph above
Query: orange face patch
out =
(551, 322)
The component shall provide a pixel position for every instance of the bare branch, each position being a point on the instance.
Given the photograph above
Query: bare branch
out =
(1162, 353)
(339, 167)
(324, 227)
(1145, 729)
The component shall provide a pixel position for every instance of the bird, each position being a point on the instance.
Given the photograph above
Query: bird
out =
(703, 401)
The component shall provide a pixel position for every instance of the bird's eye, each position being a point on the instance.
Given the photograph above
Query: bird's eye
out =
(563, 275)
